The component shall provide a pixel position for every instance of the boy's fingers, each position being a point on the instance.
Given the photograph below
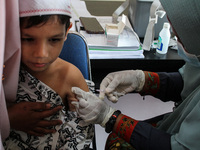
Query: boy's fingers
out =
(36, 106)
(49, 123)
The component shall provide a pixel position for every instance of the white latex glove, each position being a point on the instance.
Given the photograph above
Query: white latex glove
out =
(90, 108)
(117, 84)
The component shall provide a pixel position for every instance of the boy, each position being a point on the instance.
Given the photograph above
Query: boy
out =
(44, 77)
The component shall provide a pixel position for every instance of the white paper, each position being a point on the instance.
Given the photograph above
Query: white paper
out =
(127, 40)
(114, 56)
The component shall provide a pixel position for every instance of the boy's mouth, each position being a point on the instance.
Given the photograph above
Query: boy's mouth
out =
(39, 64)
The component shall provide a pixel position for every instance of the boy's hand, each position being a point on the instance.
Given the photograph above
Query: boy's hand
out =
(30, 117)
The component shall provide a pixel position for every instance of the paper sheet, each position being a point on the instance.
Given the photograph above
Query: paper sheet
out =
(114, 56)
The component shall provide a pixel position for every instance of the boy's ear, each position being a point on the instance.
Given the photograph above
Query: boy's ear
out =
(70, 26)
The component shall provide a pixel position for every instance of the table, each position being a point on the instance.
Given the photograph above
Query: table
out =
(152, 62)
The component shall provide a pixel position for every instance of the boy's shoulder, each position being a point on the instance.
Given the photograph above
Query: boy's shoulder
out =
(64, 64)
(70, 75)
(68, 69)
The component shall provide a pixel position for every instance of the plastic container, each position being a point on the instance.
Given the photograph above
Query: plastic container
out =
(163, 39)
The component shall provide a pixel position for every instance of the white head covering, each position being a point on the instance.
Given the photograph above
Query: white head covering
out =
(44, 7)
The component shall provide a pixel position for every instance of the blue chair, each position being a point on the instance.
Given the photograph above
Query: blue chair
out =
(75, 51)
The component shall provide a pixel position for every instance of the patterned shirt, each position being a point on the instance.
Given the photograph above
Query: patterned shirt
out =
(69, 136)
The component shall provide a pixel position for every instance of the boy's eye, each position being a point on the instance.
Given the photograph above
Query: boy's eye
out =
(27, 39)
(55, 40)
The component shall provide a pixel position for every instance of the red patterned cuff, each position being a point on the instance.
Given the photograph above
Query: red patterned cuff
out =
(116, 143)
(152, 84)
(125, 127)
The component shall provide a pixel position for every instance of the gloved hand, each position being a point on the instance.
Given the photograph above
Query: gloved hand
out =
(117, 84)
(90, 108)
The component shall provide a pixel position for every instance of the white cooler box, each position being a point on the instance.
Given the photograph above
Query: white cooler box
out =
(138, 15)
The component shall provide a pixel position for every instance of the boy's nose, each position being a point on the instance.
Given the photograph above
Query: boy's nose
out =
(41, 50)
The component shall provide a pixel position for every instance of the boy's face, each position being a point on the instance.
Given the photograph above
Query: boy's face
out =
(42, 44)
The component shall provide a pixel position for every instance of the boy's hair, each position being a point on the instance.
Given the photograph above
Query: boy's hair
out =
(36, 20)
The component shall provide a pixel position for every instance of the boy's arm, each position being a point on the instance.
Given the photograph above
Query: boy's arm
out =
(75, 79)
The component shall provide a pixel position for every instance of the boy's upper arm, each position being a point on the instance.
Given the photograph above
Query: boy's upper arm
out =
(74, 79)
(78, 80)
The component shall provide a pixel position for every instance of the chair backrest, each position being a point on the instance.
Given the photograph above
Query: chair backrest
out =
(75, 51)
